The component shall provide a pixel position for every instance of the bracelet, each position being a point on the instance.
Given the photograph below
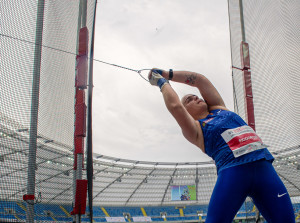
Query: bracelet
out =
(170, 74)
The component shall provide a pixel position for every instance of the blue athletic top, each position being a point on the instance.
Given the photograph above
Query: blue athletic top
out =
(229, 141)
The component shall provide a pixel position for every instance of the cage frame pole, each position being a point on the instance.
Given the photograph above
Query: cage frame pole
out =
(242, 20)
(89, 152)
(34, 111)
(197, 182)
(80, 157)
(75, 169)
(246, 69)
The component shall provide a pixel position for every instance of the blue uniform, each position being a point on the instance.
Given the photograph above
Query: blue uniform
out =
(230, 141)
(244, 167)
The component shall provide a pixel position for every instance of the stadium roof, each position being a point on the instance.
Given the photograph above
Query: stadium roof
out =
(116, 181)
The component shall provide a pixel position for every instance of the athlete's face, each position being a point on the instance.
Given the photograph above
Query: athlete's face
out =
(193, 104)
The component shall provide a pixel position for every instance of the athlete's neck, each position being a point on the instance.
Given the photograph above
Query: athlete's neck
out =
(202, 115)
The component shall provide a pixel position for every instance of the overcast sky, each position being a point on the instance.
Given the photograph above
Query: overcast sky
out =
(130, 119)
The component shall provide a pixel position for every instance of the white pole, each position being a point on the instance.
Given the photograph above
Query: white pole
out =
(242, 20)
(34, 110)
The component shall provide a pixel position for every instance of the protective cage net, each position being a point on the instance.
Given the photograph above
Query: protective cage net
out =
(56, 100)
(272, 30)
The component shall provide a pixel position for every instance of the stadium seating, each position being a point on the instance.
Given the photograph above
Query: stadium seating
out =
(14, 211)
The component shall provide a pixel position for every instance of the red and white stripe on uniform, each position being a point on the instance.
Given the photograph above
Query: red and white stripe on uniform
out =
(242, 140)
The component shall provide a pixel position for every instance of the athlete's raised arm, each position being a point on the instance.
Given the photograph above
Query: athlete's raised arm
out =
(206, 88)
(189, 126)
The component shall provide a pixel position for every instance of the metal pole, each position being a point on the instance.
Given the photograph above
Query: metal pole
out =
(34, 110)
(242, 20)
(84, 12)
(78, 24)
(75, 168)
(245, 59)
(197, 182)
(80, 157)
(74, 188)
(236, 107)
(79, 177)
(89, 143)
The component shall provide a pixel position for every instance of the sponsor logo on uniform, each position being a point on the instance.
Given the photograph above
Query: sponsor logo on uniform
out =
(206, 121)
(242, 140)
(280, 195)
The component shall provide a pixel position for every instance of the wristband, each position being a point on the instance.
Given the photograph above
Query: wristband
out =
(158, 71)
(161, 82)
(170, 74)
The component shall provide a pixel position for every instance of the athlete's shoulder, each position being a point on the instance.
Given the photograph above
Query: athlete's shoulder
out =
(220, 111)
(218, 107)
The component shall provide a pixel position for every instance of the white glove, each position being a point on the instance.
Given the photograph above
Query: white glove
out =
(156, 79)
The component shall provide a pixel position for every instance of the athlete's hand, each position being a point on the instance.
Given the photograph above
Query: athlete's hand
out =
(155, 78)
(154, 75)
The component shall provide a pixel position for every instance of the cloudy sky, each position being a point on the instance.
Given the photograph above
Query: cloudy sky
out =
(130, 119)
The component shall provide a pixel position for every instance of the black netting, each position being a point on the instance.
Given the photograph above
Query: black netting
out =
(271, 29)
(272, 32)
(56, 99)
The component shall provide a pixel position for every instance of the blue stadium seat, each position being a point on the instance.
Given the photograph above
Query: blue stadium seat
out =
(66, 219)
(117, 212)
(98, 212)
(12, 205)
(157, 219)
(6, 217)
(99, 219)
(55, 209)
(173, 214)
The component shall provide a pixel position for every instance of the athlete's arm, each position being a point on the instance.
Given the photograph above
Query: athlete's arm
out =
(190, 128)
(206, 88)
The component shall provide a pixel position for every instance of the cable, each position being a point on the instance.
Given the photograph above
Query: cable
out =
(138, 71)
(64, 51)
(33, 43)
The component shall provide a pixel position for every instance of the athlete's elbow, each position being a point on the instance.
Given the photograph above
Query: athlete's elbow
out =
(175, 108)
(191, 136)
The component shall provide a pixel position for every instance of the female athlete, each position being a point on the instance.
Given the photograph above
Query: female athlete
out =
(244, 164)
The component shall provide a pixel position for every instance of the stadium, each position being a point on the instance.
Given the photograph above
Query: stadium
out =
(49, 172)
